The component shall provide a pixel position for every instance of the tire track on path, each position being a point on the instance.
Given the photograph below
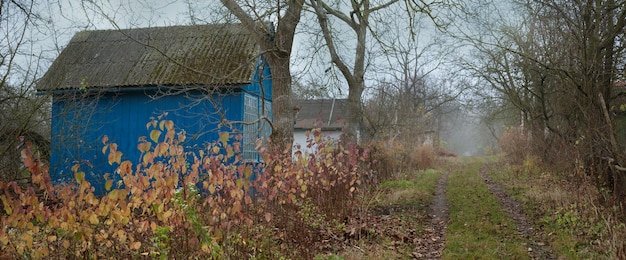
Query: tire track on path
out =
(430, 245)
(537, 249)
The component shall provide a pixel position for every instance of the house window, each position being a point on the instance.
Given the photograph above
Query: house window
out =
(253, 128)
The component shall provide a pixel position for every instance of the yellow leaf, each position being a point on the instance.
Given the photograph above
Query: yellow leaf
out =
(216, 149)
(28, 239)
(66, 244)
(93, 219)
(121, 235)
(42, 252)
(52, 238)
(229, 152)
(147, 158)
(167, 214)
(135, 245)
(154, 135)
(224, 137)
(108, 184)
(75, 167)
(144, 146)
(7, 206)
(104, 149)
(182, 136)
(247, 172)
(161, 125)
(79, 176)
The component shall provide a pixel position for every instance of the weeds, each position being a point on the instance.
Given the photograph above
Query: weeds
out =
(168, 206)
(568, 212)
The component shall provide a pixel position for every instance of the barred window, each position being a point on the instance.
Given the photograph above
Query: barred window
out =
(254, 128)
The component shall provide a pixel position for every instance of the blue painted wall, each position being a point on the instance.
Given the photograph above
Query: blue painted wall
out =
(78, 127)
(80, 120)
(261, 81)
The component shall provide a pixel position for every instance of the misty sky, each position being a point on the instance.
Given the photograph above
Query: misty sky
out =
(61, 19)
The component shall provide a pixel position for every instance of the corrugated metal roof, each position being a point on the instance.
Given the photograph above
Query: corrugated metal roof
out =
(322, 113)
(209, 55)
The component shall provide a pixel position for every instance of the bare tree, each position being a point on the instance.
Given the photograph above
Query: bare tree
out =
(559, 66)
(276, 47)
(359, 18)
(23, 115)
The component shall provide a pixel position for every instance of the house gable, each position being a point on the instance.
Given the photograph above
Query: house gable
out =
(327, 114)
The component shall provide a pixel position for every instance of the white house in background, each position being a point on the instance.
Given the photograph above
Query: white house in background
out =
(327, 114)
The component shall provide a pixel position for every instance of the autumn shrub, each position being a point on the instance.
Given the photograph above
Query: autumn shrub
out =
(183, 204)
(424, 157)
(514, 143)
(394, 159)
(313, 193)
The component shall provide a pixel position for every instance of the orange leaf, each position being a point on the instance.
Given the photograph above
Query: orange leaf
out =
(105, 139)
(135, 245)
(169, 125)
(118, 157)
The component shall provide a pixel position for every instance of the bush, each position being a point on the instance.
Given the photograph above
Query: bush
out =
(165, 206)
(397, 158)
(514, 142)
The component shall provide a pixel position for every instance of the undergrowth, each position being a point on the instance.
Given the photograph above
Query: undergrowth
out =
(567, 208)
(175, 203)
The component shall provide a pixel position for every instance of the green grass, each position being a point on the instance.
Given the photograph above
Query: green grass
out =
(478, 227)
(415, 188)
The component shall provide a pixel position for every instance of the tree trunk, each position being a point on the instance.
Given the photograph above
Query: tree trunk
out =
(276, 47)
(353, 119)
(282, 109)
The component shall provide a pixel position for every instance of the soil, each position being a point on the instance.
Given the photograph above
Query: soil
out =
(537, 249)
(430, 244)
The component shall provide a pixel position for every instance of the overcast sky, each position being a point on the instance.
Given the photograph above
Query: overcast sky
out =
(61, 19)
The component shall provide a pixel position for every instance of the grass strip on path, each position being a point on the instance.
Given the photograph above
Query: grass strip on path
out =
(397, 217)
(478, 227)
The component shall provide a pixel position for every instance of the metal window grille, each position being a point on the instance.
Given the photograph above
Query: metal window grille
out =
(250, 131)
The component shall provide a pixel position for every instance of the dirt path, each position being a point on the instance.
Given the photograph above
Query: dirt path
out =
(430, 245)
(536, 248)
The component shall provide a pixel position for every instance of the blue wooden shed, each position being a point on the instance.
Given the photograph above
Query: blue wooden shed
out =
(207, 78)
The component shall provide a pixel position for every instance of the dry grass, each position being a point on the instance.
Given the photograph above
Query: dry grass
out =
(567, 209)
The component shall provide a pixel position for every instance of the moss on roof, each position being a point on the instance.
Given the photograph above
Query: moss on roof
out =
(200, 55)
